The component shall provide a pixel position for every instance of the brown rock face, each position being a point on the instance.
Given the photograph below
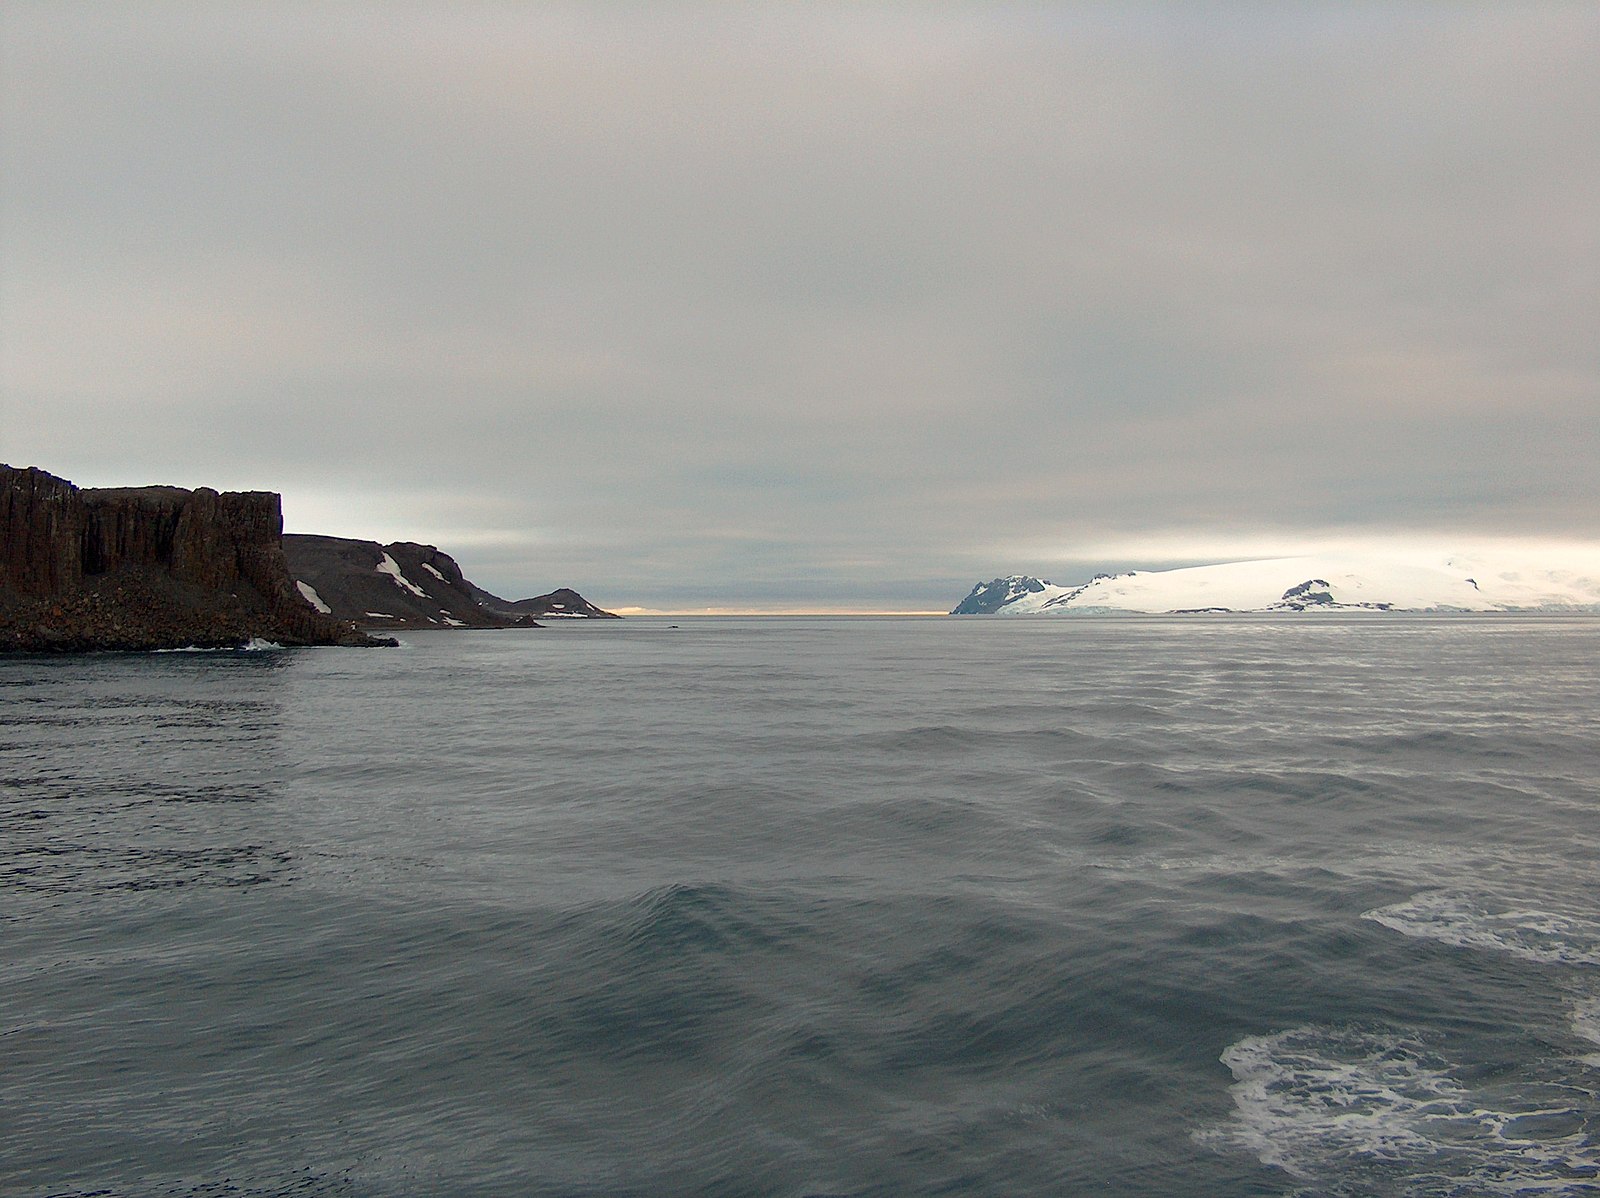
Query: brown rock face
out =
(146, 568)
(42, 522)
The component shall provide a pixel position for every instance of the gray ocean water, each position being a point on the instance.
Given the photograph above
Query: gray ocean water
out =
(1196, 906)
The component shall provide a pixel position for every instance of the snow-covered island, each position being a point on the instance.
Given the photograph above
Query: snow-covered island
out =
(1327, 582)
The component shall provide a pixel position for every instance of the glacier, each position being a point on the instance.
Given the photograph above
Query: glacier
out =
(1311, 582)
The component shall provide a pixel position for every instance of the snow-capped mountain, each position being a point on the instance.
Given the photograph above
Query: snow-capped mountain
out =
(1328, 582)
(989, 597)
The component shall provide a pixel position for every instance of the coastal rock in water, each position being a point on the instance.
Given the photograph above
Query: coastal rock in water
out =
(147, 568)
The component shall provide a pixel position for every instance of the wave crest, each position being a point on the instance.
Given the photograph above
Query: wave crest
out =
(1360, 1110)
(1462, 920)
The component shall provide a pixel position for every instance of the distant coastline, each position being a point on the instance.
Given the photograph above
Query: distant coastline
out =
(159, 567)
(1310, 583)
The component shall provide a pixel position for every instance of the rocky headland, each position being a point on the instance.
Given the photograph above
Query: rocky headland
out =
(407, 585)
(142, 568)
(399, 585)
(563, 603)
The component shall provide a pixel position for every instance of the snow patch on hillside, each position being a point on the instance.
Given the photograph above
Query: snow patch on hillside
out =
(311, 597)
(392, 568)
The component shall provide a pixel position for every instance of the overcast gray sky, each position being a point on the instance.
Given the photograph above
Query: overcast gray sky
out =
(813, 305)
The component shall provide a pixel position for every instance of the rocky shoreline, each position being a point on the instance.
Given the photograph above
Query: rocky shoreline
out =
(146, 568)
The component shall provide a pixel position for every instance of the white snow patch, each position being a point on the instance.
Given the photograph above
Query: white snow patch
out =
(434, 572)
(392, 568)
(382, 615)
(310, 592)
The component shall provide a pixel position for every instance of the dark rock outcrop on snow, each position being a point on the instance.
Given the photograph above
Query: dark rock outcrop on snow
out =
(141, 568)
(400, 585)
(1318, 593)
(986, 598)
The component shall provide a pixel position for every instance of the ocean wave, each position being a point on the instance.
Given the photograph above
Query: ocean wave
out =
(1585, 1023)
(1363, 1110)
(1466, 921)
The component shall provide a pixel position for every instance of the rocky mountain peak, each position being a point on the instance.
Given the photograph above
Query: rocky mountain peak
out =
(986, 598)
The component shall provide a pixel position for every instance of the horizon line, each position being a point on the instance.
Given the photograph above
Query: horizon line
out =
(769, 611)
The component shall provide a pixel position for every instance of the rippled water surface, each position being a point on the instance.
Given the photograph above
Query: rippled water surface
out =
(1203, 906)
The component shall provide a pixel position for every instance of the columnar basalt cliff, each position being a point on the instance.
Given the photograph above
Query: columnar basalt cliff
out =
(147, 568)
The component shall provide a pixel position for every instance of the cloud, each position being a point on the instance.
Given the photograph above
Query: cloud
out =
(833, 304)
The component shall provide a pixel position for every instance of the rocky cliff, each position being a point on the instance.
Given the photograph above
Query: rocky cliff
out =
(147, 568)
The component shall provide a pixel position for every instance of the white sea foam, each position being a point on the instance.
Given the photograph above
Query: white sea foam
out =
(1586, 1026)
(254, 645)
(1529, 933)
(1586, 1019)
(1344, 1106)
(1308, 1095)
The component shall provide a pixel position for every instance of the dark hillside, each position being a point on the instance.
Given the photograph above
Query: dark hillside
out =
(400, 585)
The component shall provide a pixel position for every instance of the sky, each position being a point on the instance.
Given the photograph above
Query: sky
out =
(814, 306)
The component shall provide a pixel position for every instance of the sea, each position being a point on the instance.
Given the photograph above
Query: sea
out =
(1202, 906)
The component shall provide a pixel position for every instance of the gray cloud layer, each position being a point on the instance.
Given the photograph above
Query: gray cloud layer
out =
(746, 304)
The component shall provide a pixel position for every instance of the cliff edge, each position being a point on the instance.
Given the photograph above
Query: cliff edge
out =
(142, 568)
